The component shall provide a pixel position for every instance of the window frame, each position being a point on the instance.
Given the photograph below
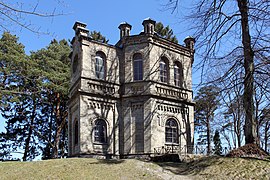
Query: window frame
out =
(137, 67)
(178, 74)
(100, 65)
(171, 132)
(164, 70)
(100, 132)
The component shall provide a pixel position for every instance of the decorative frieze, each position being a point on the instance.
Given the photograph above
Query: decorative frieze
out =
(102, 88)
(171, 92)
(100, 105)
(136, 106)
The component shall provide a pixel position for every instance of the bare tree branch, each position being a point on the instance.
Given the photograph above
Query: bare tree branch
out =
(18, 15)
(233, 43)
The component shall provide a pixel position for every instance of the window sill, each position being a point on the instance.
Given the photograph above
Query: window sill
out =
(99, 143)
(171, 144)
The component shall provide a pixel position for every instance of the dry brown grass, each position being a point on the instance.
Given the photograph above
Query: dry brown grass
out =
(74, 168)
(222, 168)
(87, 168)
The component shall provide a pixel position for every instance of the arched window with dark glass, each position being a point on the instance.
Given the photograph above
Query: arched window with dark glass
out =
(163, 69)
(100, 65)
(171, 132)
(137, 67)
(178, 74)
(100, 131)
(76, 132)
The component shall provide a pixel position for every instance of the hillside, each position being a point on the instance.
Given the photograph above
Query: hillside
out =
(82, 168)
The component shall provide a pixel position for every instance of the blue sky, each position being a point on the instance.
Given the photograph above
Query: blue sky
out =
(100, 15)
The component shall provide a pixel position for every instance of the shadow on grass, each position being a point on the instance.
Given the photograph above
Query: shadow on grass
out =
(266, 159)
(197, 167)
(189, 168)
(109, 161)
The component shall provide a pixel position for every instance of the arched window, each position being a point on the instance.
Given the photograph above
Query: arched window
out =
(75, 64)
(100, 131)
(171, 132)
(137, 67)
(178, 74)
(100, 65)
(76, 132)
(163, 68)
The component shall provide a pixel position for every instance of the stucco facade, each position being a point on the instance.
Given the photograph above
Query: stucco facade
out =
(130, 98)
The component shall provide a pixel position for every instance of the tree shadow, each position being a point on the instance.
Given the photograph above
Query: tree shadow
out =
(108, 161)
(266, 159)
(195, 167)
(189, 168)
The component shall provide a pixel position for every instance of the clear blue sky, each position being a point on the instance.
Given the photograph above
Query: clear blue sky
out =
(100, 15)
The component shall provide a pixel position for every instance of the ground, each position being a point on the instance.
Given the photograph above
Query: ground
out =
(87, 168)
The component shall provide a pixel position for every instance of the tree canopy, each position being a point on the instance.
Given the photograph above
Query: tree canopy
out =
(97, 36)
(34, 94)
(206, 103)
(165, 32)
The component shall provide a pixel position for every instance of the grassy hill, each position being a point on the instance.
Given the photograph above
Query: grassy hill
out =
(86, 168)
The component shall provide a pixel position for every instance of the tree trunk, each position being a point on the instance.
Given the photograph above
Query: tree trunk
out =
(30, 132)
(64, 131)
(58, 126)
(250, 124)
(208, 136)
(266, 129)
(238, 126)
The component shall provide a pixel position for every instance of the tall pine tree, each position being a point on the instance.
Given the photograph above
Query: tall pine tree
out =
(34, 95)
(55, 66)
(165, 32)
(217, 144)
(206, 104)
(19, 97)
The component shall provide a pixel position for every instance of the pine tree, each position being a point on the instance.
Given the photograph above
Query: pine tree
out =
(12, 63)
(217, 144)
(34, 95)
(97, 36)
(206, 104)
(165, 32)
(56, 74)
(19, 97)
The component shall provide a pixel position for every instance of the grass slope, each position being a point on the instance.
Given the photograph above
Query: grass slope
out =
(222, 168)
(73, 168)
(86, 168)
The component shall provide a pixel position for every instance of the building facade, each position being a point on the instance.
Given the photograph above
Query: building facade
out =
(130, 98)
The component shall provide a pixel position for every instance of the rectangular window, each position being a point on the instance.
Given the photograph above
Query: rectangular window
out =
(176, 76)
(163, 72)
(99, 67)
(100, 131)
(138, 70)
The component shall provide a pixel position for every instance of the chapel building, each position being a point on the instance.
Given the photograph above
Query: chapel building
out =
(130, 98)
